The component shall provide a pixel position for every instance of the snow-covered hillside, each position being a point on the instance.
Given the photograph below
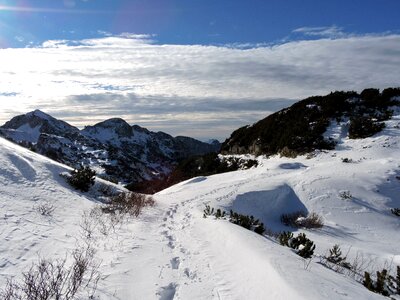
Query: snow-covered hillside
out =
(172, 252)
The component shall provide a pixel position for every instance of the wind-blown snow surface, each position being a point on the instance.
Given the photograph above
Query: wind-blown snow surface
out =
(172, 252)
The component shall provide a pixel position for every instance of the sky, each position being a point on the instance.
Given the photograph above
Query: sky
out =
(200, 68)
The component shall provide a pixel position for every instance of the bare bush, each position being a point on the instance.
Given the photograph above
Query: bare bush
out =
(88, 226)
(107, 190)
(45, 209)
(300, 219)
(128, 203)
(313, 220)
(290, 219)
(54, 279)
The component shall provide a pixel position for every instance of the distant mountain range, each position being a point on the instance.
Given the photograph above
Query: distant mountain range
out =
(115, 149)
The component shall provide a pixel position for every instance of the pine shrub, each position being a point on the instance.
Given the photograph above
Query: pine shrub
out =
(362, 127)
(260, 229)
(381, 280)
(368, 283)
(307, 250)
(396, 211)
(208, 211)
(301, 239)
(285, 237)
(304, 246)
(220, 214)
(385, 284)
(335, 257)
(248, 222)
(82, 179)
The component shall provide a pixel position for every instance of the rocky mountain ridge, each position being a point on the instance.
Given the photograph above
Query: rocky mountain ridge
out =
(115, 149)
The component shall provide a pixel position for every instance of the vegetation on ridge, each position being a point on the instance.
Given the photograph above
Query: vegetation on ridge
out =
(300, 128)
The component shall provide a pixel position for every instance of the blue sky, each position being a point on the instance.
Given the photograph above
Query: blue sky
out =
(199, 68)
(191, 22)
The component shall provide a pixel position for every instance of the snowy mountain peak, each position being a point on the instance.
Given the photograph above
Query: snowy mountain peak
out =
(109, 129)
(40, 114)
(113, 122)
(29, 127)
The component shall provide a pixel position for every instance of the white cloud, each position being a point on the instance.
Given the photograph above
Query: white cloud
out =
(328, 31)
(182, 88)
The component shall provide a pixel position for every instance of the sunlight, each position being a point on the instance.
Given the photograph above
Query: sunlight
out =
(49, 10)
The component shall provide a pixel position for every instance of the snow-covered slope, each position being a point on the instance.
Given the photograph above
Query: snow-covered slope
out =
(172, 252)
(243, 265)
(26, 181)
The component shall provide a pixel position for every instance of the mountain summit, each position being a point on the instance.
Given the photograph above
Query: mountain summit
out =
(28, 127)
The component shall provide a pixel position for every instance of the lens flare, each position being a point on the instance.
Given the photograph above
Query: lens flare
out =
(28, 9)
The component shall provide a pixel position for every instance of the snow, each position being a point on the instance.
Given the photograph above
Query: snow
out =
(38, 113)
(24, 133)
(104, 135)
(172, 252)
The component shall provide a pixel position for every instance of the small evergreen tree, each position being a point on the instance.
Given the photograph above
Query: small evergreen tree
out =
(335, 257)
(220, 213)
(260, 229)
(368, 283)
(308, 249)
(398, 280)
(381, 279)
(285, 237)
(82, 179)
(396, 211)
(301, 239)
(208, 211)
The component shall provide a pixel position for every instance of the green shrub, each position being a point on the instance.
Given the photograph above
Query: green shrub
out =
(362, 127)
(248, 222)
(285, 237)
(82, 179)
(367, 282)
(307, 250)
(335, 255)
(396, 211)
(385, 284)
(208, 211)
(220, 214)
(303, 246)
(381, 281)
(260, 229)
(301, 239)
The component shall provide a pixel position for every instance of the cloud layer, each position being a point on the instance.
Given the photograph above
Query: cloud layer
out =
(196, 90)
